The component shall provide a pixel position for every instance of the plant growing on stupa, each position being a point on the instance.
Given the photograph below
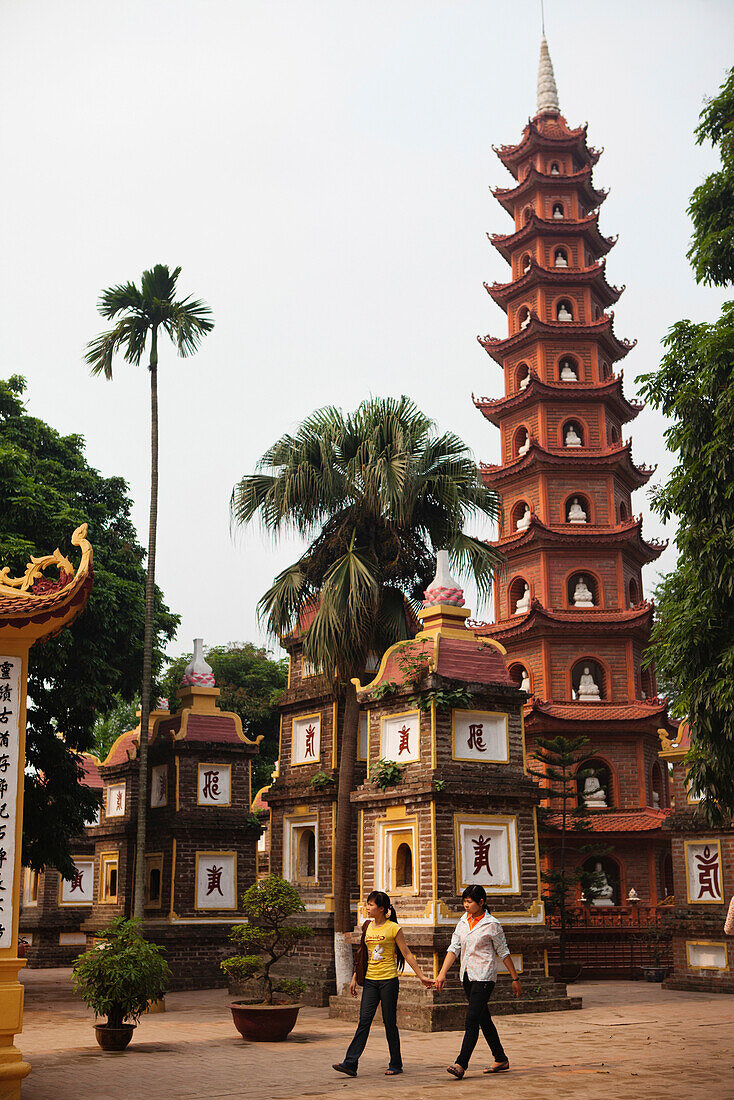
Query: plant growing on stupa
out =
(268, 937)
(694, 388)
(376, 492)
(141, 314)
(122, 974)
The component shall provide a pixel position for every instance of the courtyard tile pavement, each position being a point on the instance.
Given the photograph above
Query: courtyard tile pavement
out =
(630, 1040)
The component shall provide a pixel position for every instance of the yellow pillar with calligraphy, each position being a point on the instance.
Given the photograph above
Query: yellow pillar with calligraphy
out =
(33, 608)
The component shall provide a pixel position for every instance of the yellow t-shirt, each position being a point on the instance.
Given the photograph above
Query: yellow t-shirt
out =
(381, 950)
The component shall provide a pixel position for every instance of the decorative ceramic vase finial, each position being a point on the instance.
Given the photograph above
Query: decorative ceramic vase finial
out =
(443, 588)
(197, 672)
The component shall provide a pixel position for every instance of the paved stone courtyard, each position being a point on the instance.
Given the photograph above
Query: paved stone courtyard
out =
(631, 1039)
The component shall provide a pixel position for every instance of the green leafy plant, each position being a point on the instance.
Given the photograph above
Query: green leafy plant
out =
(268, 937)
(384, 690)
(654, 938)
(255, 820)
(442, 699)
(414, 663)
(386, 773)
(121, 975)
(439, 784)
(321, 781)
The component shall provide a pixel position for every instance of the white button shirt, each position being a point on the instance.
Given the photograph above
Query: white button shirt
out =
(479, 948)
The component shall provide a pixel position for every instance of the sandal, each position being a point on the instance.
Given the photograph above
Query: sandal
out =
(456, 1071)
(498, 1067)
(392, 1072)
(341, 1068)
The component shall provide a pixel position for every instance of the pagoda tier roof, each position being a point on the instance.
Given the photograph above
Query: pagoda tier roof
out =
(39, 607)
(642, 820)
(540, 621)
(609, 391)
(617, 456)
(536, 180)
(560, 277)
(602, 330)
(583, 536)
(635, 710)
(549, 133)
(588, 228)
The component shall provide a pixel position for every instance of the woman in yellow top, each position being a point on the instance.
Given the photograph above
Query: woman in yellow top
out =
(387, 953)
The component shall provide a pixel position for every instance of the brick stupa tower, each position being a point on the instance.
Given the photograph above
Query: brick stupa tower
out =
(569, 607)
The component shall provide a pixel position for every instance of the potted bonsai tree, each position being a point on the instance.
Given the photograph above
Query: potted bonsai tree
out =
(656, 939)
(267, 937)
(118, 978)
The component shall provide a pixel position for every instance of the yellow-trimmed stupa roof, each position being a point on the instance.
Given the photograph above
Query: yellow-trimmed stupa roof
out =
(34, 607)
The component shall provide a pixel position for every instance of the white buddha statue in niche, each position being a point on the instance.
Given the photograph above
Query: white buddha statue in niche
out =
(524, 521)
(594, 793)
(564, 314)
(571, 438)
(576, 514)
(523, 604)
(588, 687)
(568, 374)
(603, 890)
(582, 594)
(525, 321)
(558, 212)
(525, 682)
(524, 382)
(523, 450)
(560, 260)
(656, 800)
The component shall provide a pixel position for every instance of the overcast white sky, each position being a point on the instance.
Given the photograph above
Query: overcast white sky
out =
(320, 170)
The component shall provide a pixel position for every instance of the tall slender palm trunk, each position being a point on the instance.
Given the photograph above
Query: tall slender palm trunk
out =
(139, 895)
(343, 955)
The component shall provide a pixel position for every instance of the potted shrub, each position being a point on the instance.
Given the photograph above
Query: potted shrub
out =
(267, 937)
(118, 978)
(654, 939)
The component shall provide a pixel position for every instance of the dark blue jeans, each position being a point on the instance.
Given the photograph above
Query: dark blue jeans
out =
(383, 992)
(477, 1016)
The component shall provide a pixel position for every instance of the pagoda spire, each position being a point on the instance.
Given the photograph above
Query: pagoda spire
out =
(547, 90)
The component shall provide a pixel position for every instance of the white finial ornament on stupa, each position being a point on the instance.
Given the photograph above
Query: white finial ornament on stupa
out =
(197, 672)
(443, 588)
(547, 90)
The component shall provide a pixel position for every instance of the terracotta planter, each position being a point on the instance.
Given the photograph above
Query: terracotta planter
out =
(114, 1038)
(264, 1023)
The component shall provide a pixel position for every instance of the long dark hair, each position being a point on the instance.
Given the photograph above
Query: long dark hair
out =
(382, 901)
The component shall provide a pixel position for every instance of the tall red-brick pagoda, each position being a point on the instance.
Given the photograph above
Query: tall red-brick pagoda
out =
(569, 607)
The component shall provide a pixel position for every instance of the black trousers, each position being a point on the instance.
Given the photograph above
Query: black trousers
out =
(477, 1016)
(383, 992)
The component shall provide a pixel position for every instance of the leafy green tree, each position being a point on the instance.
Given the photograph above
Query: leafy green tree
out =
(692, 642)
(122, 717)
(140, 315)
(377, 492)
(49, 489)
(250, 683)
(560, 759)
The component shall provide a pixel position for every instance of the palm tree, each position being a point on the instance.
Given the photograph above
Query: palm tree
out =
(377, 492)
(139, 314)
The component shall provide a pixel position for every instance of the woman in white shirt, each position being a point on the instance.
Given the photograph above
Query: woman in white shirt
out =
(479, 942)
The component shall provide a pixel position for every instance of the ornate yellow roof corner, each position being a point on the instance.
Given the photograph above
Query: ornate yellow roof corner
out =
(675, 747)
(36, 607)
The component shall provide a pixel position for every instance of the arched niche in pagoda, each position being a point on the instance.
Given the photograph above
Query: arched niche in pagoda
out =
(666, 875)
(564, 310)
(613, 434)
(608, 782)
(613, 871)
(560, 257)
(520, 442)
(525, 262)
(624, 512)
(527, 215)
(573, 433)
(522, 375)
(555, 168)
(583, 589)
(589, 676)
(634, 593)
(523, 317)
(520, 676)
(658, 786)
(568, 368)
(558, 211)
(576, 506)
(605, 370)
(520, 515)
(519, 595)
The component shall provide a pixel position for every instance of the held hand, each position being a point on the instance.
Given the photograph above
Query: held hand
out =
(428, 983)
(516, 987)
(353, 986)
(439, 983)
